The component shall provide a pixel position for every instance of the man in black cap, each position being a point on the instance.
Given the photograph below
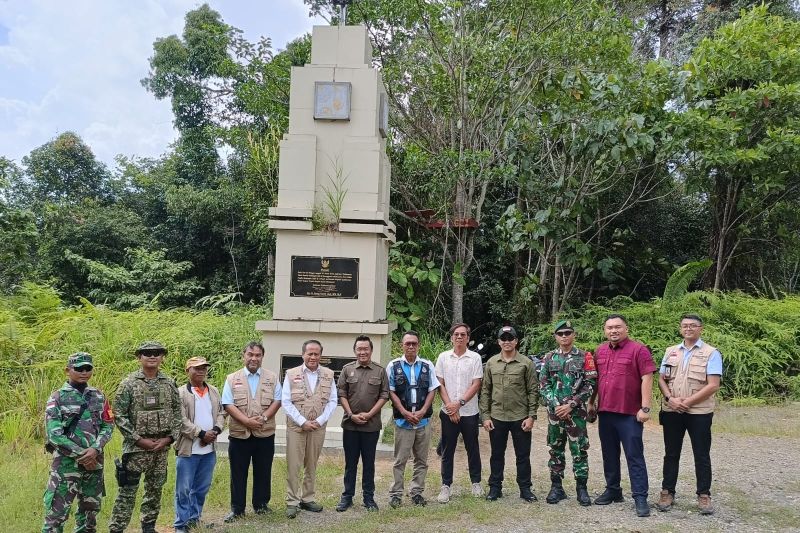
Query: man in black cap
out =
(508, 403)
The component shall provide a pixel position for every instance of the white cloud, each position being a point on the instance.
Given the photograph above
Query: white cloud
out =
(77, 66)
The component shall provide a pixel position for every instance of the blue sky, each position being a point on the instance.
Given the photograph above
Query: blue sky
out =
(76, 66)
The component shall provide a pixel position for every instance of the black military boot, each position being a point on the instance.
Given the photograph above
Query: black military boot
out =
(149, 527)
(556, 493)
(583, 494)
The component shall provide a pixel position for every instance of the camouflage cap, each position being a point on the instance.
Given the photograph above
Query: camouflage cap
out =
(151, 346)
(80, 359)
(563, 325)
(196, 361)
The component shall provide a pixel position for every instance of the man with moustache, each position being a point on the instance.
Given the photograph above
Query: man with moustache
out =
(460, 372)
(508, 404)
(309, 398)
(624, 391)
(251, 397)
(363, 388)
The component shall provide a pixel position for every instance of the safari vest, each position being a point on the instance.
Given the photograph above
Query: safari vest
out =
(684, 380)
(310, 404)
(252, 406)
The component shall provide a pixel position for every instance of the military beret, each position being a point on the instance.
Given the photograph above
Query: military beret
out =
(151, 346)
(80, 359)
(563, 325)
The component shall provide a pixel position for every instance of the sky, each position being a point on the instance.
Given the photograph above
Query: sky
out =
(76, 65)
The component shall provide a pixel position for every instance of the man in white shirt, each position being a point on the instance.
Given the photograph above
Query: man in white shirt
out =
(309, 398)
(460, 372)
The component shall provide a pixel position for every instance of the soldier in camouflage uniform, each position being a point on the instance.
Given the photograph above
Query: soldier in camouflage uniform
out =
(148, 414)
(567, 380)
(78, 424)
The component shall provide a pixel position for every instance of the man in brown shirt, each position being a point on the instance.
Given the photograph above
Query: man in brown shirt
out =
(363, 388)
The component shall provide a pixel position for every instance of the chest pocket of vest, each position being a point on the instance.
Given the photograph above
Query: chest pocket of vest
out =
(324, 385)
(148, 423)
(697, 368)
(241, 394)
(298, 389)
(267, 393)
(670, 365)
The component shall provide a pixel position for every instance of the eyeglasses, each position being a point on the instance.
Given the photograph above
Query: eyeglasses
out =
(507, 338)
(564, 333)
(691, 326)
(410, 343)
(459, 335)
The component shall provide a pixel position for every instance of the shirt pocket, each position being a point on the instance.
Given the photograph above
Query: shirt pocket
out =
(515, 375)
(374, 384)
(240, 395)
(623, 365)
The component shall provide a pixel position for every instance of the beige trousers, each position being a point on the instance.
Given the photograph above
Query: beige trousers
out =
(408, 442)
(302, 451)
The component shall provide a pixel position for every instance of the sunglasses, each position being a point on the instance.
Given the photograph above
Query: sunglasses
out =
(506, 338)
(150, 354)
(83, 368)
(564, 333)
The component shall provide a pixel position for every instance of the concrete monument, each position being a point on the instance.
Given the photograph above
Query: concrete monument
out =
(332, 218)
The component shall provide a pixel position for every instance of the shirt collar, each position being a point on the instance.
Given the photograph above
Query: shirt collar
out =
(248, 373)
(308, 370)
(698, 344)
(621, 344)
(405, 361)
(368, 365)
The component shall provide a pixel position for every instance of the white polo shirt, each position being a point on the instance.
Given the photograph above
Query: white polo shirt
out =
(458, 374)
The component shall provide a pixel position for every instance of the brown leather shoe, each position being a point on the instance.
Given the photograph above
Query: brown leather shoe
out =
(665, 501)
(704, 503)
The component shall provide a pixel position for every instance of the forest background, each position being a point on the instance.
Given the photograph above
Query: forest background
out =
(550, 158)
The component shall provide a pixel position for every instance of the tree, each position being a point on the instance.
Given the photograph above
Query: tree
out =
(739, 127)
(17, 232)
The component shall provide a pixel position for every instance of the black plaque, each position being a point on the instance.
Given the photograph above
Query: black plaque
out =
(324, 277)
(336, 364)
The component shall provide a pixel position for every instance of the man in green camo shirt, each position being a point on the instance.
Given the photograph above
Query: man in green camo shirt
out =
(78, 424)
(148, 414)
(567, 380)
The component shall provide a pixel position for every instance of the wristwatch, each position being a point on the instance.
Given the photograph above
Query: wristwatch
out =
(462, 402)
(645, 409)
(573, 404)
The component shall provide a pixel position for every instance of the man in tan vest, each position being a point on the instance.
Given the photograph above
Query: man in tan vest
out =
(309, 398)
(690, 375)
(251, 397)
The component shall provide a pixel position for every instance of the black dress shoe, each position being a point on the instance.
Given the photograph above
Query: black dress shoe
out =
(494, 494)
(642, 507)
(344, 504)
(609, 496)
(232, 517)
(264, 510)
(527, 495)
(370, 505)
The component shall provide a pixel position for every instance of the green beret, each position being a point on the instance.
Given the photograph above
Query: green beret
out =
(564, 325)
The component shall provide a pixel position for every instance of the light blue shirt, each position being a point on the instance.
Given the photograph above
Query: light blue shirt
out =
(714, 367)
(412, 380)
(252, 382)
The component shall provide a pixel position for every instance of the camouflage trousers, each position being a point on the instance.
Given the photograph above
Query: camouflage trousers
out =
(153, 467)
(559, 432)
(67, 481)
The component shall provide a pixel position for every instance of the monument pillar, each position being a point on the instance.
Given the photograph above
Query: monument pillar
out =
(332, 218)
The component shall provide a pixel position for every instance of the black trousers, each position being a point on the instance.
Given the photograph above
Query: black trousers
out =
(675, 426)
(261, 451)
(498, 438)
(359, 444)
(467, 426)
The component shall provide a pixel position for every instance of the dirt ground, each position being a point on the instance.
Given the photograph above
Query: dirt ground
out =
(756, 487)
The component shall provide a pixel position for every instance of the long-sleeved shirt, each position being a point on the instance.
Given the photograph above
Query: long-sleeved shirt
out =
(510, 389)
(292, 411)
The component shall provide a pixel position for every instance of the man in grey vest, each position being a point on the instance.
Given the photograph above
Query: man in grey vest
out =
(251, 397)
(309, 398)
(689, 377)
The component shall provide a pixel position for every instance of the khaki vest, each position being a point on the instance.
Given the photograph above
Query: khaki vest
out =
(685, 380)
(252, 406)
(309, 404)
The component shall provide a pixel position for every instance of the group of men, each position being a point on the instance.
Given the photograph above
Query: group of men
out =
(153, 414)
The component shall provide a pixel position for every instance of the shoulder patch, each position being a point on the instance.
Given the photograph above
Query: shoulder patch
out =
(588, 361)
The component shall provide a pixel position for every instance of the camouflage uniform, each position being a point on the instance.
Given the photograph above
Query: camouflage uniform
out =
(568, 378)
(144, 408)
(67, 478)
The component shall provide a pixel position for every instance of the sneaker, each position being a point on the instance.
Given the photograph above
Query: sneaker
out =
(665, 501)
(232, 517)
(344, 504)
(314, 507)
(370, 505)
(444, 494)
(704, 503)
(292, 511)
(395, 502)
(417, 499)
(477, 490)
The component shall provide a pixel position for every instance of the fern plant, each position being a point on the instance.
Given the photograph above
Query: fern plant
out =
(678, 283)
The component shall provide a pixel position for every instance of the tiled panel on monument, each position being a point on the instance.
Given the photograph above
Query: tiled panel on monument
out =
(297, 171)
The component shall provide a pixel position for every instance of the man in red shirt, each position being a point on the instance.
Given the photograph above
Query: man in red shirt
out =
(624, 390)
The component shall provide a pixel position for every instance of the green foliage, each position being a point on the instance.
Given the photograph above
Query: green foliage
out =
(413, 283)
(37, 334)
(678, 283)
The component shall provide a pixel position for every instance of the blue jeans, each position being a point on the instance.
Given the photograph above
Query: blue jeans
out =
(192, 481)
(615, 429)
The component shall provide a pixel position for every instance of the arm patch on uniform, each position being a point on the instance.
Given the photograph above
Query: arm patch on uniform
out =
(588, 361)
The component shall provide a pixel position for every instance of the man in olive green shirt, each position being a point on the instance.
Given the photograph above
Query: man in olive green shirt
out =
(509, 399)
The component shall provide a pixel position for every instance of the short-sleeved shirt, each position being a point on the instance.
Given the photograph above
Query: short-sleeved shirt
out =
(252, 382)
(510, 389)
(620, 369)
(412, 374)
(714, 367)
(362, 386)
(458, 374)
